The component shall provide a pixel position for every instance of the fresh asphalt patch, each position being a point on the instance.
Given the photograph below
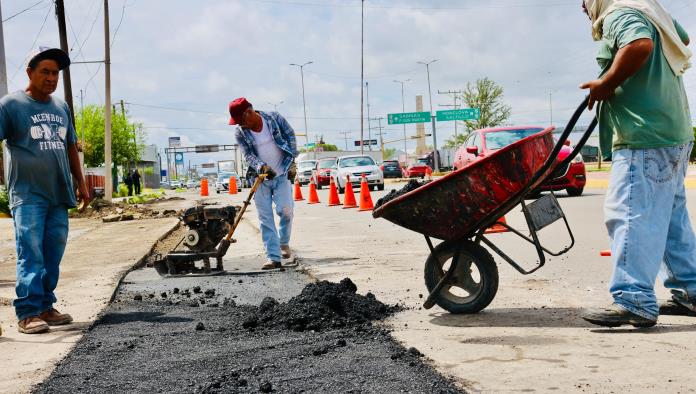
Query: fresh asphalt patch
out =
(274, 332)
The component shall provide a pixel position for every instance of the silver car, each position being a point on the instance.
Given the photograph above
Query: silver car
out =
(354, 167)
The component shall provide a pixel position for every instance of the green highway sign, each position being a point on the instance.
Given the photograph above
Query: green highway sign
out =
(409, 117)
(458, 114)
(310, 145)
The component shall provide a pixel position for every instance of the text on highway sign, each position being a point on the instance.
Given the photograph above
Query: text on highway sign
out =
(409, 117)
(458, 114)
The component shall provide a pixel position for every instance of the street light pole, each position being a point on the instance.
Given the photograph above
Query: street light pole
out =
(362, 73)
(275, 106)
(304, 103)
(369, 127)
(436, 160)
(403, 109)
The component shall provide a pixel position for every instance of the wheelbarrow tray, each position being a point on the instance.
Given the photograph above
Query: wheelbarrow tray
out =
(459, 204)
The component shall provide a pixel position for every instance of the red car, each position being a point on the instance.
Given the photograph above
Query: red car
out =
(323, 171)
(482, 143)
(416, 170)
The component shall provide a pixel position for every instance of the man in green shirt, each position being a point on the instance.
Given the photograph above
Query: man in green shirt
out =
(645, 127)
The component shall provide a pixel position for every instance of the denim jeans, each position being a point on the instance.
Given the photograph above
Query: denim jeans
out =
(278, 191)
(41, 233)
(645, 213)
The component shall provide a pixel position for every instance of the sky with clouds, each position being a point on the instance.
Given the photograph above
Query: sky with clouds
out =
(177, 63)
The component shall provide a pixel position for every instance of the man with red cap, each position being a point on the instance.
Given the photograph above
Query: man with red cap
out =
(268, 144)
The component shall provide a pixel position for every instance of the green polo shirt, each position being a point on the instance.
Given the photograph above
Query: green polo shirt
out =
(650, 109)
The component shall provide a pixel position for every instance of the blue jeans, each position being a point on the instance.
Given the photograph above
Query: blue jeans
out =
(278, 191)
(41, 233)
(645, 213)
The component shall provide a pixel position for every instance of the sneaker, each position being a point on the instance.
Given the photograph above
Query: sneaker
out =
(676, 308)
(32, 325)
(271, 265)
(615, 316)
(55, 318)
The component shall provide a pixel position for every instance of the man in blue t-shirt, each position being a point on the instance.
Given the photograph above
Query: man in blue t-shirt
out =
(41, 138)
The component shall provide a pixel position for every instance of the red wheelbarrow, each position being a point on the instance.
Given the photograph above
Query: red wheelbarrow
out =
(460, 274)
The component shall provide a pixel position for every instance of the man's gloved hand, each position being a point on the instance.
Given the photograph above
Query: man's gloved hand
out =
(292, 171)
(270, 174)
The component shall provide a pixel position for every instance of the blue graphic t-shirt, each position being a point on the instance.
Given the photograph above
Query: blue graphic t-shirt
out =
(38, 135)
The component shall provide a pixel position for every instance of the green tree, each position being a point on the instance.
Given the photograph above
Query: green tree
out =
(127, 138)
(388, 153)
(486, 95)
(325, 147)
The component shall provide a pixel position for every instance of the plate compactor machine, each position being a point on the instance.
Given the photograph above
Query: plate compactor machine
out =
(208, 238)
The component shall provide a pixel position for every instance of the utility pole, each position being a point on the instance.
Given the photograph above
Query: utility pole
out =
(345, 137)
(362, 72)
(403, 109)
(436, 158)
(108, 180)
(381, 140)
(304, 104)
(67, 86)
(4, 163)
(369, 128)
(454, 94)
(82, 117)
(550, 109)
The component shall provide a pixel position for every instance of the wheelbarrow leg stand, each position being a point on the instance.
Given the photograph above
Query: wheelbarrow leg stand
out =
(430, 301)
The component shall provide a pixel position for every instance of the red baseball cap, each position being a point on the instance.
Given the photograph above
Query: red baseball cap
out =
(237, 108)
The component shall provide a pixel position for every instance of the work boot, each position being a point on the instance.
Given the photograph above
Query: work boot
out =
(270, 265)
(286, 254)
(677, 307)
(32, 325)
(615, 316)
(55, 318)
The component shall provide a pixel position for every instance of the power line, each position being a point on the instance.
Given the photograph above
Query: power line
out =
(123, 12)
(464, 8)
(83, 58)
(32, 45)
(23, 11)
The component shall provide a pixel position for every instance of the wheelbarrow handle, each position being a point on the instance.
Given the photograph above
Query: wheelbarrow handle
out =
(557, 148)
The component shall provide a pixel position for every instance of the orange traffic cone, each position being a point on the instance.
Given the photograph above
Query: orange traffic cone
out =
(233, 185)
(298, 191)
(428, 174)
(349, 198)
(204, 187)
(497, 228)
(333, 194)
(365, 198)
(313, 197)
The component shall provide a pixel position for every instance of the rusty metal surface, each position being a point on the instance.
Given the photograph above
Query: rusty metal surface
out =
(451, 207)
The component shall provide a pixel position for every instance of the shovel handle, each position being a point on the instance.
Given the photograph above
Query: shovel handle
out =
(246, 203)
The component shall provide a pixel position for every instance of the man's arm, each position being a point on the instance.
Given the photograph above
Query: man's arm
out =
(76, 170)
(289, 133)
(627, 62)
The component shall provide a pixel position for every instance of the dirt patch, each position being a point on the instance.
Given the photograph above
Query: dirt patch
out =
(121, 211)
(321, 306)
(410, 186)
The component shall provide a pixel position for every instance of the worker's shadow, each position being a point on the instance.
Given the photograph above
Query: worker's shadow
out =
(113, 318)
(546, 318)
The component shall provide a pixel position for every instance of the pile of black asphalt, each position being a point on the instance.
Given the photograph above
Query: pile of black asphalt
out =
(213, 338)
(412, 185)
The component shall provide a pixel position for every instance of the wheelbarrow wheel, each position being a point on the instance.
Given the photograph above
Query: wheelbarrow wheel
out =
(473, 285)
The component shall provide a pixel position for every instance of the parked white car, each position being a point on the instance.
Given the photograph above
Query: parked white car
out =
(355, 167)
(305, 171)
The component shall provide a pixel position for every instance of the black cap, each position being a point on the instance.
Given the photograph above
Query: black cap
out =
(56, 54)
